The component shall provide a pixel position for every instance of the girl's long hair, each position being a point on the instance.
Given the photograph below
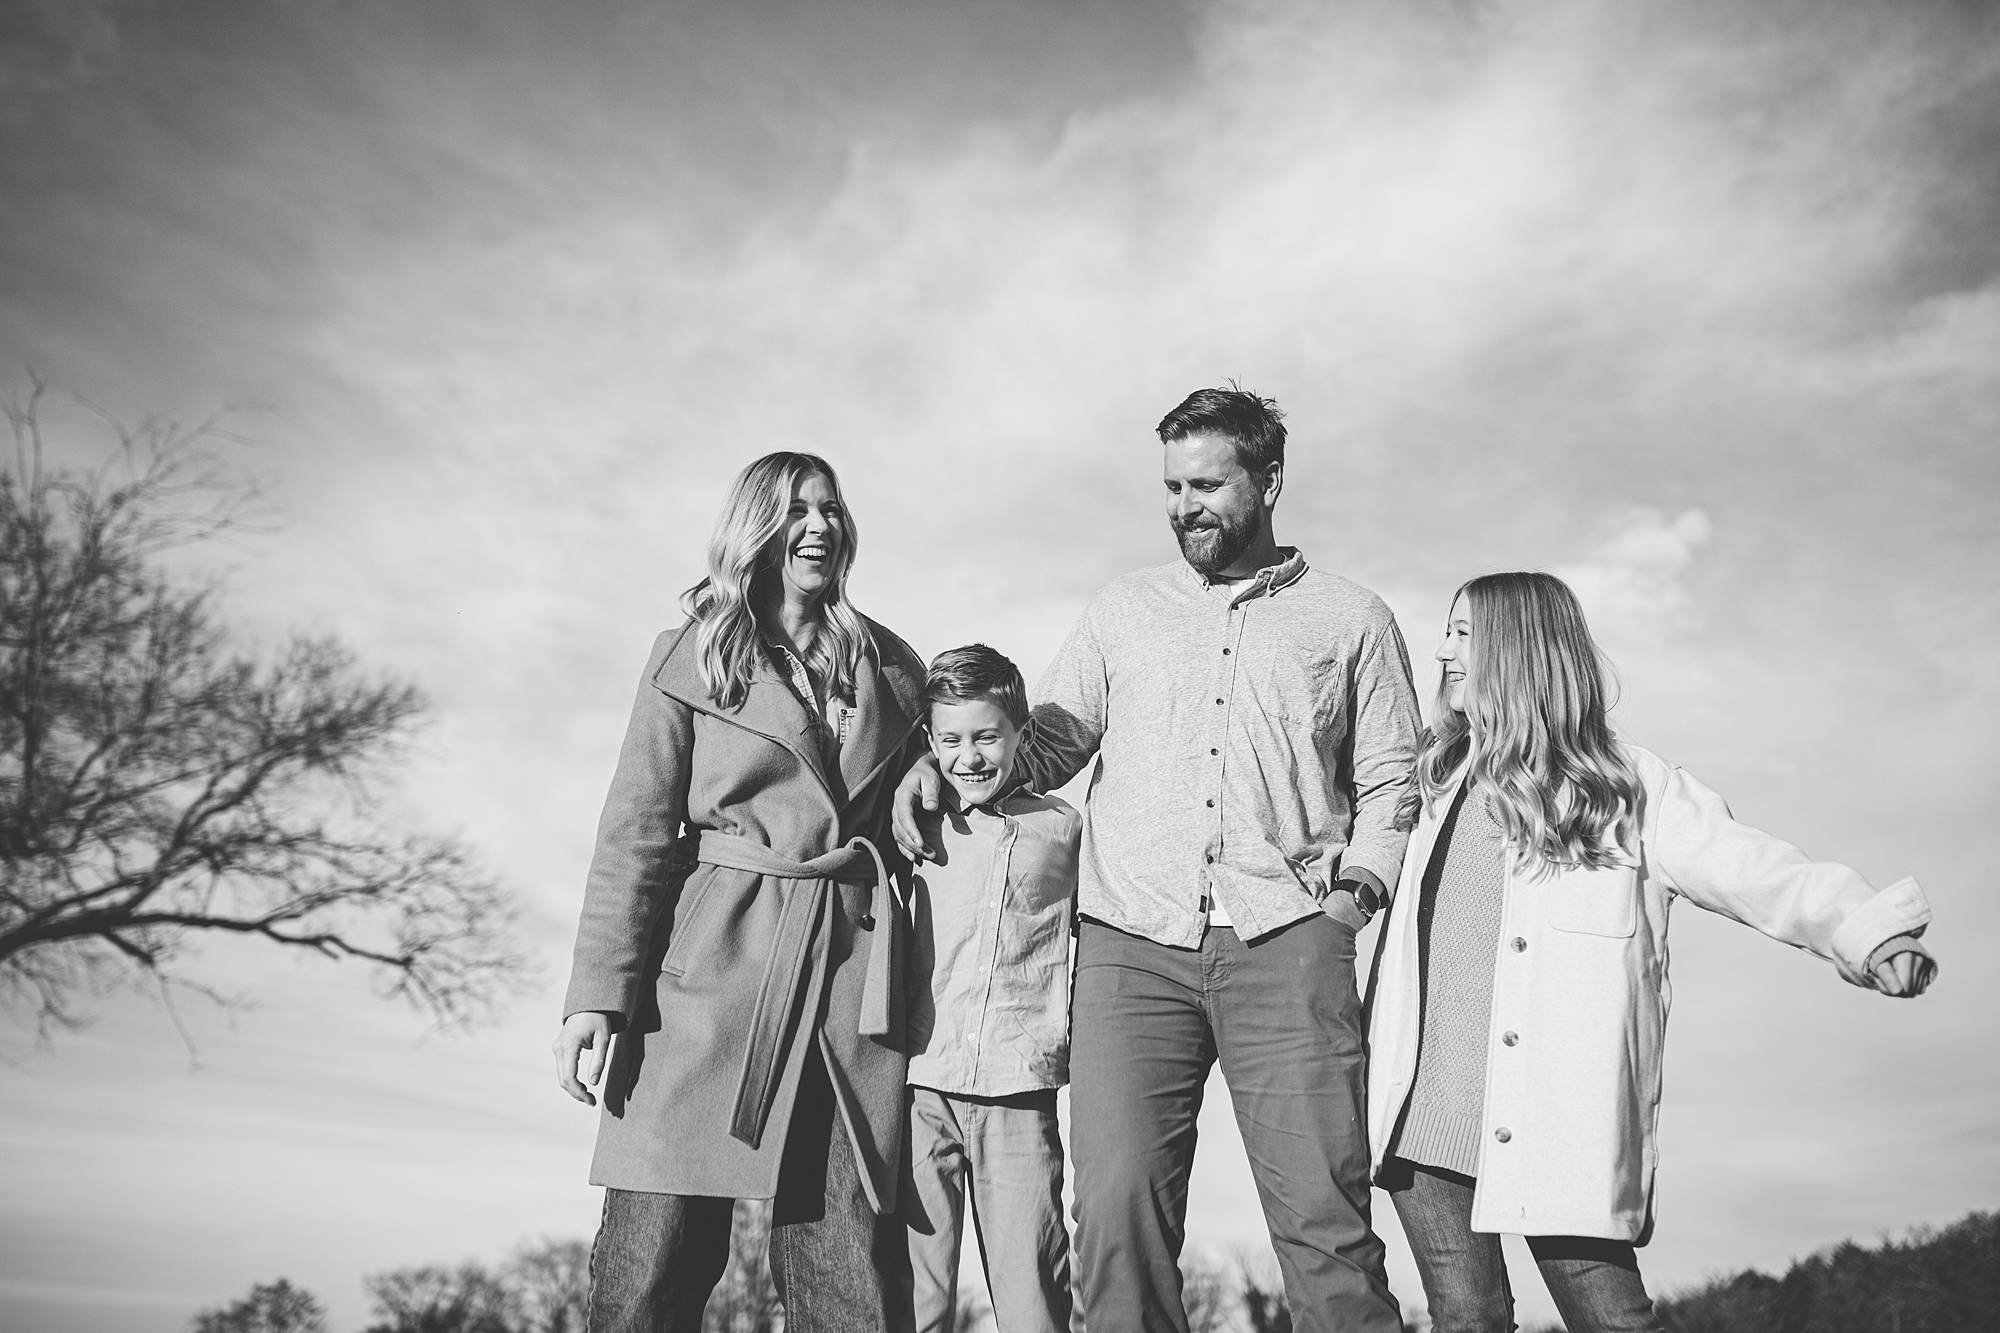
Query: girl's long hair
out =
(1534, 735)
(743, 559)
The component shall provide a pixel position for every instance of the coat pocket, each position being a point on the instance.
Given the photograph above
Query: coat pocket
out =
(691, 922)
(1593, 902)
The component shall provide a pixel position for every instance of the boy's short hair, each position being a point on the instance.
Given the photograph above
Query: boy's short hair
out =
(960, 675)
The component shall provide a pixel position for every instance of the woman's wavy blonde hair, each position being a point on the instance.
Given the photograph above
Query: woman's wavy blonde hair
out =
(743, 560)
(1534, 735)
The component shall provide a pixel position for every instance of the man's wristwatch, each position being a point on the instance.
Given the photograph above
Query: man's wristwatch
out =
(1364, 893)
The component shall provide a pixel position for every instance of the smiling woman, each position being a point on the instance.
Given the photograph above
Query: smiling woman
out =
(739, 934)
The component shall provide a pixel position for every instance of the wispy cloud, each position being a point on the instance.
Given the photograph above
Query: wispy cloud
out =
(1693, 303)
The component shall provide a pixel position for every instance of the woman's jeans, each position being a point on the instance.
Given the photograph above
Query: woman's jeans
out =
(659, 1256)
(1595, 1283)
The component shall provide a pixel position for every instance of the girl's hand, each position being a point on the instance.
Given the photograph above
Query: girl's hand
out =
(1905, 974)
(588, 1031)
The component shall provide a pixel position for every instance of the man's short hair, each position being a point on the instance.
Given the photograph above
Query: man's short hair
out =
(961, 675)
(1254, 425)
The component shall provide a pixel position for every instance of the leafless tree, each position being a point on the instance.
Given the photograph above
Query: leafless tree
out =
(435, 1299)
(545, 1288)
(745, 1301)
(1263, 1296)
(160, 781)
(549, 1286)
(271, 1307)
(1206, 1294)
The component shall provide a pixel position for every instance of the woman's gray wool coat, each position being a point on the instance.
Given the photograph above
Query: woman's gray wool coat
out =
(691, 955)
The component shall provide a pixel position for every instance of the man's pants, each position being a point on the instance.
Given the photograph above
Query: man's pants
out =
(1595, 1283)
(659, 1256)
(1283, 1018)
(1006, 1153)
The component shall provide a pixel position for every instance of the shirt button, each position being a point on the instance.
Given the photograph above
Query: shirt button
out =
(1210, 858)
(1213, 751)
(1211, 804)
(1518, 945)
(1225, 652)
(1510, 1039)
(1218, 701)
(1503, 1134)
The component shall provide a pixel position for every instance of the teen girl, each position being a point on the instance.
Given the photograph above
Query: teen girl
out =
(1520, 1002)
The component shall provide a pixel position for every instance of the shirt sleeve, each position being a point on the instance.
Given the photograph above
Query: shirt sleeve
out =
(1069, 709)
(1743, 873)
(633, 872)
(1384, 739)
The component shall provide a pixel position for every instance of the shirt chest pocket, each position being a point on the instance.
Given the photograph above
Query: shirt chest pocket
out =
(1593, 902)
(1289, 685)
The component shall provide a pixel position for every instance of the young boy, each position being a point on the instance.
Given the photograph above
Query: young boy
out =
(989, 1015)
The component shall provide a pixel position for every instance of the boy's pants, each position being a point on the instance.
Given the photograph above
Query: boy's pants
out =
(1006, 1153)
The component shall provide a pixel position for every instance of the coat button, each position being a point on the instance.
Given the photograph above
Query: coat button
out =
(1503, 1134)
(866, 921)
(1518, 945)
(1510, 1038)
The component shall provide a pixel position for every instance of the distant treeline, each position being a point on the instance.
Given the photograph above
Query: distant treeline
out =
(1931, 1282)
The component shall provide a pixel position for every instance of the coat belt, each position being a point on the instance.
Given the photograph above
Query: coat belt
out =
(793, 959)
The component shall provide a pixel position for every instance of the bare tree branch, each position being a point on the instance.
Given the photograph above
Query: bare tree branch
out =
(159, 783)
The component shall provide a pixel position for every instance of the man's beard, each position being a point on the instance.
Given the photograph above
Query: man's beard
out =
(1213, 549)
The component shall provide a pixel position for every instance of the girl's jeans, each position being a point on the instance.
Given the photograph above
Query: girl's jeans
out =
(1595, 1283)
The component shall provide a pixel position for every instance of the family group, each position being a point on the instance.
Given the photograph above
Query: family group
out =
(840, 946)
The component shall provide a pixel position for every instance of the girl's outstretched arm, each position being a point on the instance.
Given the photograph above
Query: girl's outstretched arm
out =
(1826, 908)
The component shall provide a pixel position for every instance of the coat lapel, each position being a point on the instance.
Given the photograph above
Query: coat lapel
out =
(770, 708)
(887, 702)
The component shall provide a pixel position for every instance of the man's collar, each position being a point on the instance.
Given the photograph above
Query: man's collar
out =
(1290, 568)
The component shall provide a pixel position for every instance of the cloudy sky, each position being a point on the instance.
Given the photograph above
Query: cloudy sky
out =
(1696, 303)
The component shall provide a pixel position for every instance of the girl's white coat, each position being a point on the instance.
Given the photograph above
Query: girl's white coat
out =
(1580, 999)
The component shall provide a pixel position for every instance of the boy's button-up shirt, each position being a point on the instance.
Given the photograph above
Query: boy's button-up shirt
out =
(1252, 741)
(991, 935)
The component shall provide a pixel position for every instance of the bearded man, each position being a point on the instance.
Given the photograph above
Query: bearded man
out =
(1254, 725)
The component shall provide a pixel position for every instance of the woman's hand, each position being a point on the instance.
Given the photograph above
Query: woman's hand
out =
(922, 785)
(1905, 974)
(587, 1031)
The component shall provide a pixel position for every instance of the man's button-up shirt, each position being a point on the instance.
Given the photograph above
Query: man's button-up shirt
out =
(989, 1011)
(1253, 740)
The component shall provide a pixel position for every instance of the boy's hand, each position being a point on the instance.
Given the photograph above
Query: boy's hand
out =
(920, 787)
(587, 1031)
